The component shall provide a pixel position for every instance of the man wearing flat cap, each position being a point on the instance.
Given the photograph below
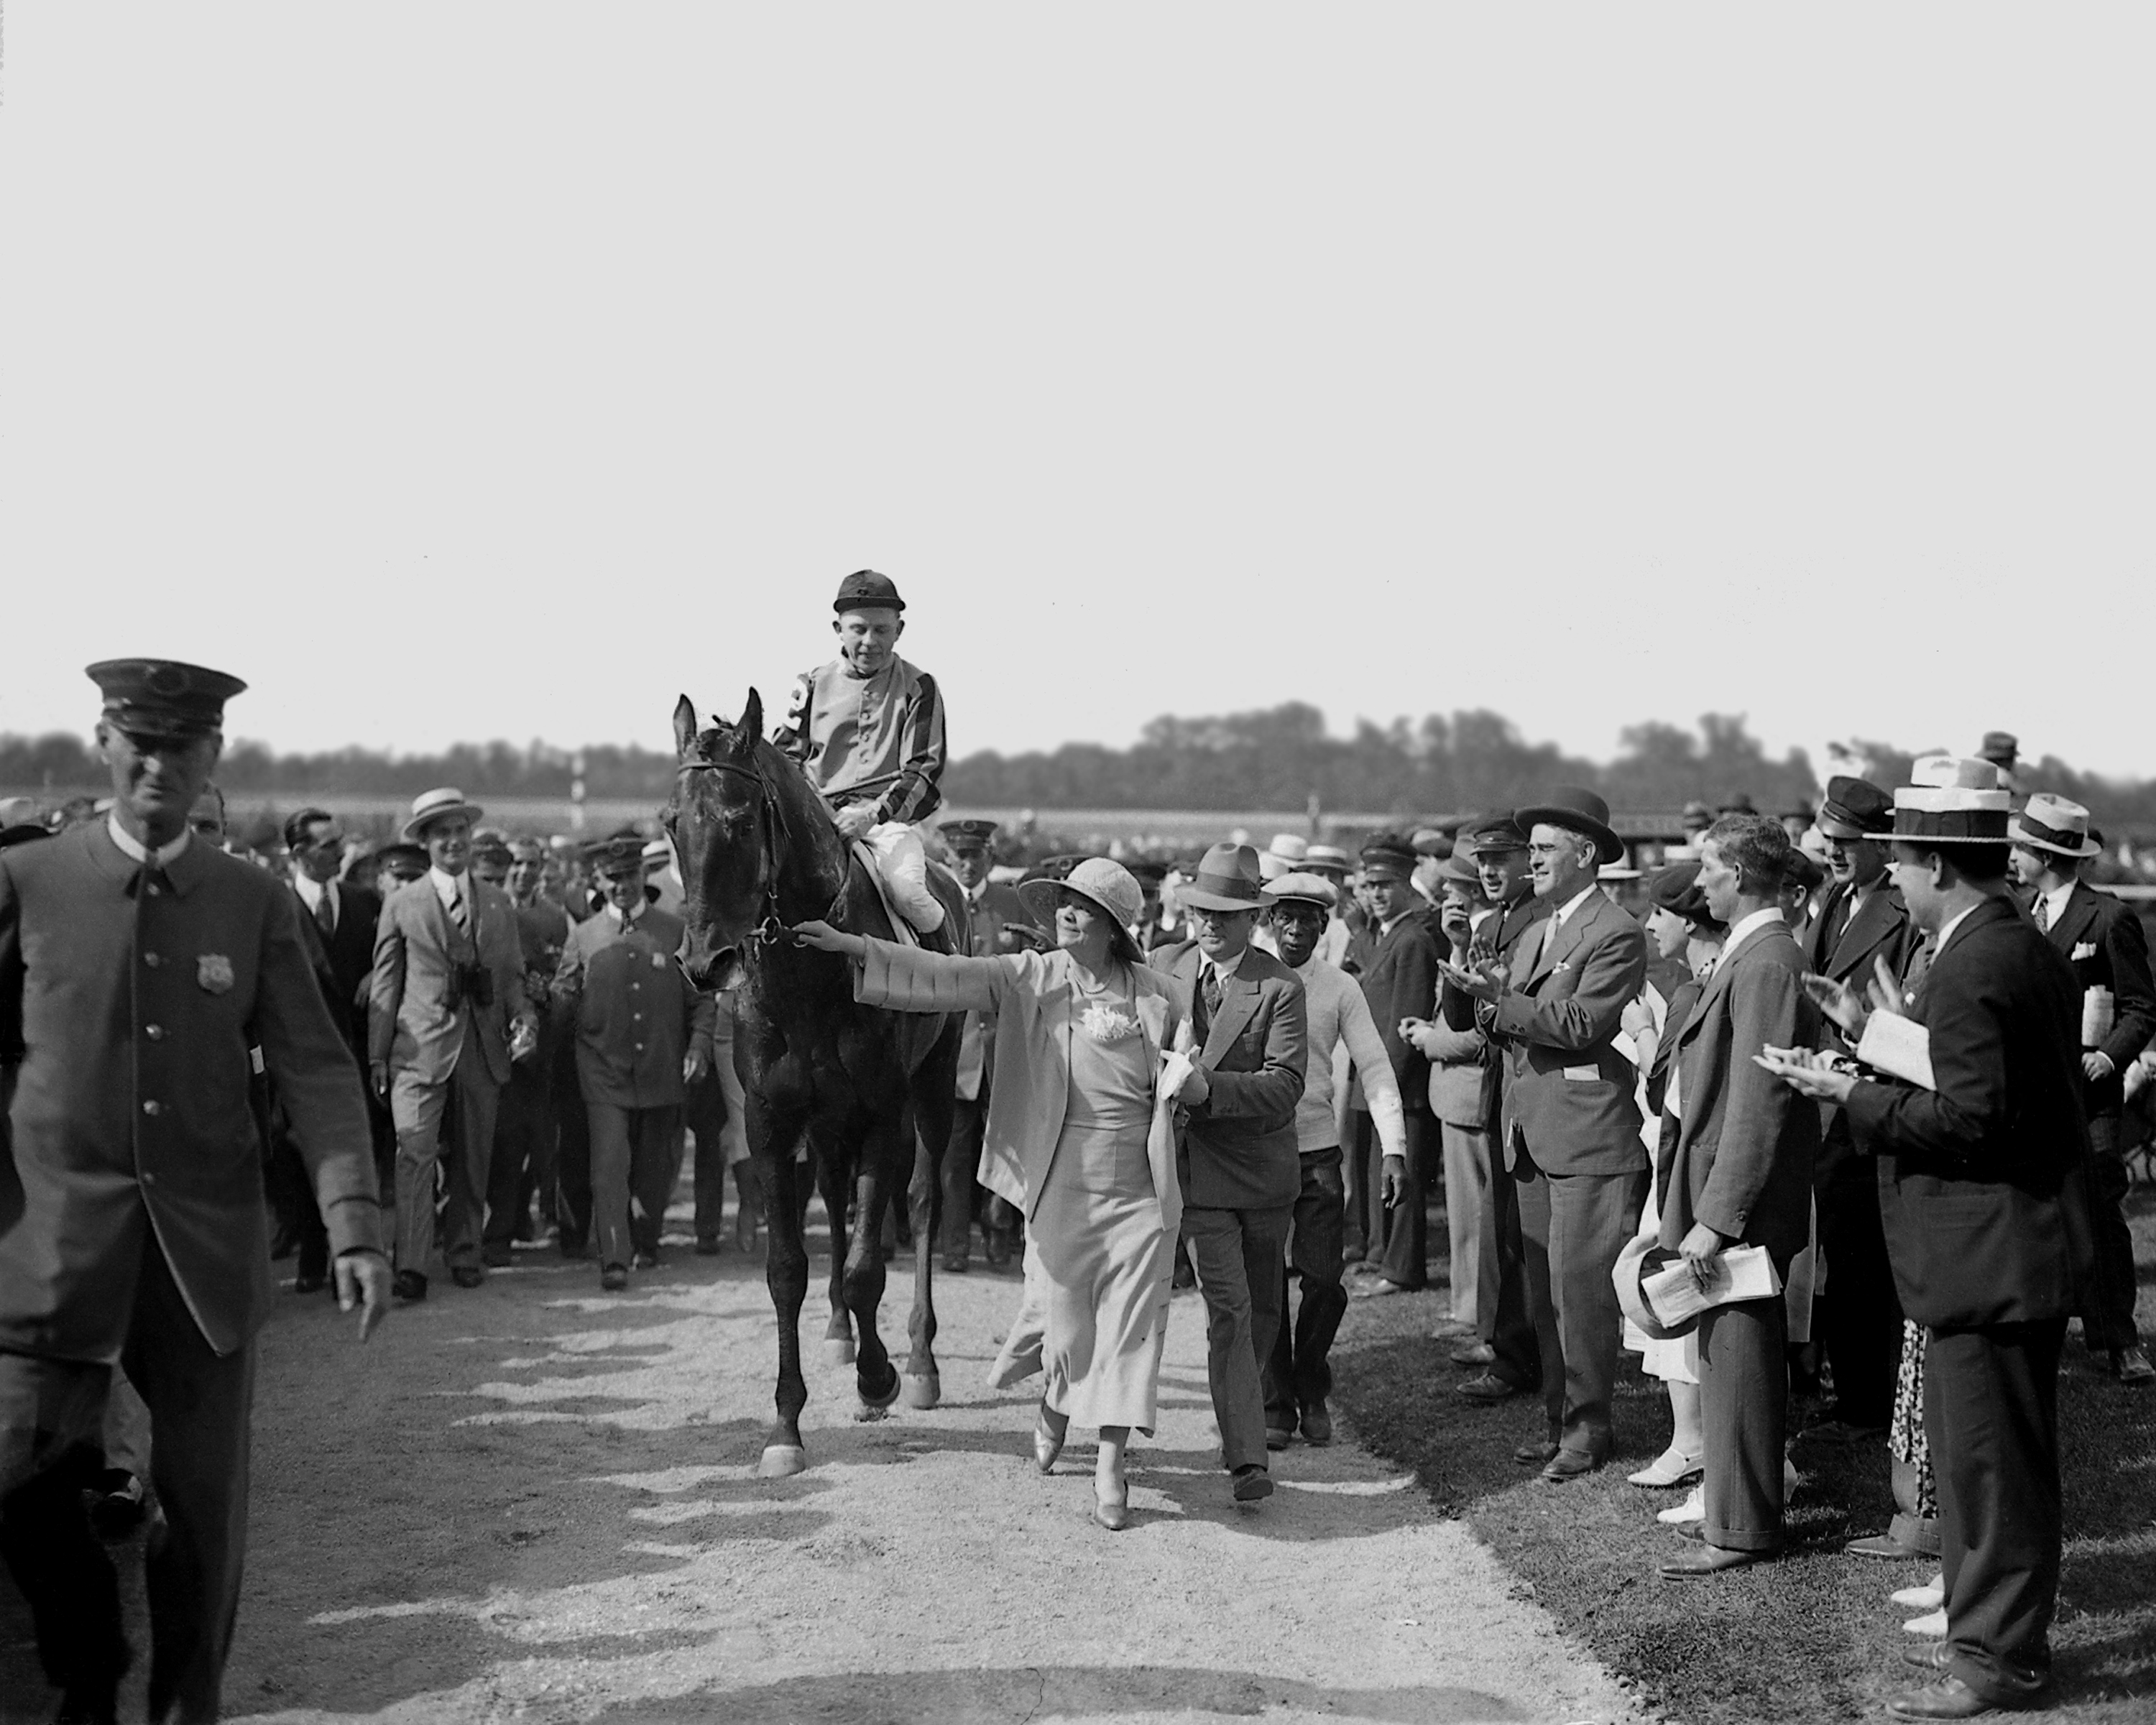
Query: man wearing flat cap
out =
(138, 964)
(1572, 1137)
(1981, 1177)
(1395, 958)
(2104, 940)
(868, 730)
(642, 1033)
(1238, 1162)
(997, 913)
(446, 997)
(1862, 923)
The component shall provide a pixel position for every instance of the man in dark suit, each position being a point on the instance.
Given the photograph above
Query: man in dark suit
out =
(1501, 861)
(998, 915)
(1980, 1179)
(139, 965)
(520, 1167)
(1861, 922)
(1237, 1160)
(1572, 1138)
(2104, 940)
(342, 918)
(1395, 959)
(448, 983)
(1742, 1175)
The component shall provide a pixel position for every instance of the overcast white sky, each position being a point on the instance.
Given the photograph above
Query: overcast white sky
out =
(461, 371)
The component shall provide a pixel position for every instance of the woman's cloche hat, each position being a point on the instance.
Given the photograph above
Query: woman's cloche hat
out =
(1101, 881)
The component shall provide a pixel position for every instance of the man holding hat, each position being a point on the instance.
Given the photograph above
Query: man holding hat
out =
(1297, 1376)
(1238, 1162)
(2104, 940)
(449, 981)
(1980, 1174)
(1571, 1138)
(1862, 923)
(642, 1033)
(1396, 959)
(868, 730)
(137, 965)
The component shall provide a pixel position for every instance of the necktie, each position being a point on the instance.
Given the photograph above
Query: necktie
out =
(324, 914)
(458, 914)
(2041, 910)
(1209, 988)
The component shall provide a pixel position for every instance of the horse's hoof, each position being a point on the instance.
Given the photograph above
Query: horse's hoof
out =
(838, 1350)
(781, 1461)
(921, 1390)
(874, 1406)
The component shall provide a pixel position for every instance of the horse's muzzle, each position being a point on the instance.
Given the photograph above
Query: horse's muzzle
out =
(718, 969)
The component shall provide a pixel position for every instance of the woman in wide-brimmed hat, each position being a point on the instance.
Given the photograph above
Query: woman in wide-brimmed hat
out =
(1090, 1049)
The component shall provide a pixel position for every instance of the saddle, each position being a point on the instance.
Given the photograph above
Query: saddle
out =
(867, 907)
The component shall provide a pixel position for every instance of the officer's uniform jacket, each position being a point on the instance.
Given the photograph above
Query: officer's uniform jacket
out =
(415, 1020)
(634, 1013)
(127, 1010)
(994, 908)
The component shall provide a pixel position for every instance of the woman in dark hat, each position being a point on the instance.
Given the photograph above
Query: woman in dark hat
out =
(1090, 1048)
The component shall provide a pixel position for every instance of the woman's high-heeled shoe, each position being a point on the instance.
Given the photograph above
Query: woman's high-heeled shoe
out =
(1113, 1514)
(1047, 1444)
(1673, 1467)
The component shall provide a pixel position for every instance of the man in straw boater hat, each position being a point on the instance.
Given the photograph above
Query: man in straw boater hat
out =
(1982, 1177)
(1572, 1131)
(447, 984)
(1298, 1379)
(2104, 940)
(137, 965)
(1238, 1161)
(868, 730)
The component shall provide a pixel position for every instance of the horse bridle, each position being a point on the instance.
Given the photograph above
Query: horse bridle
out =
(773, 930)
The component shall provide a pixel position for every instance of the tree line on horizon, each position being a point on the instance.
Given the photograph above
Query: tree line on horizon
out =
(1276, 757)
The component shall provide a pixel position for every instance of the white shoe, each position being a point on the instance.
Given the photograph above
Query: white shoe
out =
(1929, 1597)
(1673, 1467)
(1932, 1624)
(1692, 1509)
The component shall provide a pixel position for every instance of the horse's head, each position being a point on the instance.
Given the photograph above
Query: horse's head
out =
(725, 822)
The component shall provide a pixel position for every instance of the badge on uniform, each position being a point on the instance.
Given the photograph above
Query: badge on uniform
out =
(658, 960)
(213, 972)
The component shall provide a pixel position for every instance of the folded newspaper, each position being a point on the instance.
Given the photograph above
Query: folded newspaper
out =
(1742, 1273)
(1898, 1046)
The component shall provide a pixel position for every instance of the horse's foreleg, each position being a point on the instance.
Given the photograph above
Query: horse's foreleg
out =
(873, 1376)
(931, 1111)
(831, 1182)
(786, 1273)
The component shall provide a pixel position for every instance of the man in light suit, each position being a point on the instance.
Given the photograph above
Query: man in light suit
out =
(2103, 939)
(448, 980)
(1861, 922)
(1982, 1181)
(1742, 1175)
(1238, 1162)
(140, 968)
(1572, 1131)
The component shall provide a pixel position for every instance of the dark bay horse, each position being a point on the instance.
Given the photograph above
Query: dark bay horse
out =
(872, 1089)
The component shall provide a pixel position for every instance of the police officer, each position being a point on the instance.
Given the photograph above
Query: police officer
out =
(138, 963)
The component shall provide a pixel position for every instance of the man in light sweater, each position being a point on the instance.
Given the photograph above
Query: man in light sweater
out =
(1297, 1378)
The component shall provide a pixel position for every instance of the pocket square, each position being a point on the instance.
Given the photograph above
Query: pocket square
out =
(2084, 949)
(1583, 1074)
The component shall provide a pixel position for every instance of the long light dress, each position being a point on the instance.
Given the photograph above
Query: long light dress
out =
(1104, 1260)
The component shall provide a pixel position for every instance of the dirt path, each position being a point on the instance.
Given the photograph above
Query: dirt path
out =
(533, 1501)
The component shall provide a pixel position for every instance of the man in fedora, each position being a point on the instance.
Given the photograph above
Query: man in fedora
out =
(1571, 1134)
(141, 967)
(1395, 958)
(2104, 941)
(1238, 1160)
(1980, 1175)
(868, 730)
(448, 986)
(1862, 923)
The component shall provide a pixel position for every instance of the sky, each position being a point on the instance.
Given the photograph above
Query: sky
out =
(456, 370)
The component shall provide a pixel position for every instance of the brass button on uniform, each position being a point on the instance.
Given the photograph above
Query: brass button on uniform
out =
(152, 960)
(153, 1109)
(156, 1033)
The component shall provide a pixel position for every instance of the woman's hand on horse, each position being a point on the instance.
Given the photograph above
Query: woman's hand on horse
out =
(825, 938)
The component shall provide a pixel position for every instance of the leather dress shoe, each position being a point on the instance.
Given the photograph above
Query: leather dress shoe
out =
(118, 1505)
(2130, 1365)
(1487, 1387)
(467, 1276)
(1475, 1353)
(1949, 1698)
(409, 1285)
(1932, 1656)
(310, 1284)
(1316, 1425)
(1278, 1437)
(1570, 1465)
(1537, 1455)
(1702, 1560)
(612, 1278)
(1885, 1546)
(1252, 1482)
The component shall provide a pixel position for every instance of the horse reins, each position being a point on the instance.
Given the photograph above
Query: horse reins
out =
(773, 930)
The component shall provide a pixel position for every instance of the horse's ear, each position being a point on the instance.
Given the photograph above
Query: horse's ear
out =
(685, 727)
(752, 718)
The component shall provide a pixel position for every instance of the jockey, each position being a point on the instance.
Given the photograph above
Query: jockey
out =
(868, 730)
